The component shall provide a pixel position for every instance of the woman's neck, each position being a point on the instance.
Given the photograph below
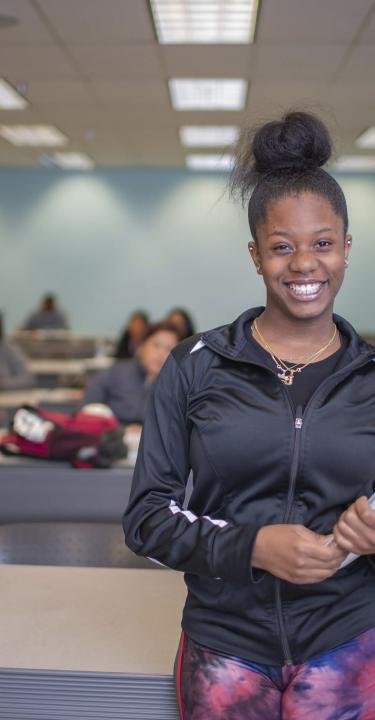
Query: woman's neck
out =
(292, 339)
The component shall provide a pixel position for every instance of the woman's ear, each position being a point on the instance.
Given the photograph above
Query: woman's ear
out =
(348, 246)
(254, 254)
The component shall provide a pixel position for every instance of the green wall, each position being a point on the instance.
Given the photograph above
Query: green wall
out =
(113, 240)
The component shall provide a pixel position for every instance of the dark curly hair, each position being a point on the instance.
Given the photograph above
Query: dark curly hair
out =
(284, 157)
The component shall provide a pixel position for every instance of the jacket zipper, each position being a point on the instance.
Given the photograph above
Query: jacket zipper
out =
(298, 424)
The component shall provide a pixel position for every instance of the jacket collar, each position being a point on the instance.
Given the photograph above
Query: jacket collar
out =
(232, 340)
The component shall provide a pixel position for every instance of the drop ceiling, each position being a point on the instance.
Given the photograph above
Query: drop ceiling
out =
(94, 69)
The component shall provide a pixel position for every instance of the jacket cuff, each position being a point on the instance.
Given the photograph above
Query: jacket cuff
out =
(232, 551)
(256, 574)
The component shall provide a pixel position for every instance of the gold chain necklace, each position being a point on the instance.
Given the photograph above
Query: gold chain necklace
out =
(287, 373)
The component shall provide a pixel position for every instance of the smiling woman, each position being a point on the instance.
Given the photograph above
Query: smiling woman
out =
(275, 416)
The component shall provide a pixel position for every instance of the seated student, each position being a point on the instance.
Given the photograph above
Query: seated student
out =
(132, 336)
(182, 320)
(126, 385)
(14, 371)
(47, 317)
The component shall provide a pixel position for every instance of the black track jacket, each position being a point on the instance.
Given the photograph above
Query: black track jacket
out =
(218, 412)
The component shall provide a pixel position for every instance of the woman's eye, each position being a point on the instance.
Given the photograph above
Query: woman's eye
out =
(324, 244)
(282, 247)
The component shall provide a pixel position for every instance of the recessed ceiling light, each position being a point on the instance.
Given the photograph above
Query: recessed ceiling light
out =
(10, 99)
(33, 135)
(210, 162)
(208, 136)
(70, 160)
(207, 94)
(198, 21)
(367, 139)
(355, 162)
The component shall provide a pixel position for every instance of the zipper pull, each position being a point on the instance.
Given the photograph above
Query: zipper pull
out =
(298, 421)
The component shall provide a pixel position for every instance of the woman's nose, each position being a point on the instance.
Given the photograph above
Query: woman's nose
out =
(303, 261)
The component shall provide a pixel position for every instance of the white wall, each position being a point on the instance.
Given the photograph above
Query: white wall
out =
(113, 240)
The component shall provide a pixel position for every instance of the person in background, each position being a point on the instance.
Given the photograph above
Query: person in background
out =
(132, 335)
(14, 371)
(125, 386)
(182, 320)
(47, 317)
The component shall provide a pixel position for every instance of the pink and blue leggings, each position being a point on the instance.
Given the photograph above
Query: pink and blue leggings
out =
(337, 685)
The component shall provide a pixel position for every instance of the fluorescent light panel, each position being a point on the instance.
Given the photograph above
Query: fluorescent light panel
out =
(355, 163)
(367, 139)
(210, 162)
(208, 136)
(10, 99)
(207, 94)
(72, 161)
(33, 135)
(198, 21)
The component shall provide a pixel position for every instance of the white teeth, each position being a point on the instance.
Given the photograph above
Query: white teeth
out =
(309, 289)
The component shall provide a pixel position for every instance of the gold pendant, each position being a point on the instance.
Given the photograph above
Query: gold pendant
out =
(287, 379)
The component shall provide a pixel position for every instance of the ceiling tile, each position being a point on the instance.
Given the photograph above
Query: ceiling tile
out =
(208, 60)
(118, 61)
(130, 94)
(368, 33)
(48, 92)
(360, 65)
(317, 22)
(42, 62)
(99, 21)
(297, 62)
(30, 30)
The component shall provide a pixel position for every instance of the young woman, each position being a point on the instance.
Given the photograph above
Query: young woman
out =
(126, 385)
(275, 416)
(132, 335)
(183, 321)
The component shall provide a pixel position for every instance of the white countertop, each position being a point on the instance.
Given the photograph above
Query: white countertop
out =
(90, 619)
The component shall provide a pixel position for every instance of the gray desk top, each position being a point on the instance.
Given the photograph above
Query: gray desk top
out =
(47, 493)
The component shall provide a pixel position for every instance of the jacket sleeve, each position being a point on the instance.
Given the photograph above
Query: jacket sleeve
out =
(155, 523)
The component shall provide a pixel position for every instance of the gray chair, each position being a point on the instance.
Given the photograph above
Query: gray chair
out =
(87, 544)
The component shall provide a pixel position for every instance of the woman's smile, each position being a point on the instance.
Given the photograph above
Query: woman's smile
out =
(307, 291)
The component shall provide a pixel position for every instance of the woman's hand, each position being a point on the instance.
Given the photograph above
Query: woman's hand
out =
(296, 554)
(355, 529)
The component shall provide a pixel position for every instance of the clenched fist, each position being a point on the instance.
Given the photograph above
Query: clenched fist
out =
(355, 529)
(296, 554)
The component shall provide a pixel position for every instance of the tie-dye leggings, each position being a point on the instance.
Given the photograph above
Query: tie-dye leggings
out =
(337, 685)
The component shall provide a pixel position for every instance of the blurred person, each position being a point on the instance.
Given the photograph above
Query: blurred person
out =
(126, 385)
(47, 317)
(14, 371)
(132, 335)
(182, 320)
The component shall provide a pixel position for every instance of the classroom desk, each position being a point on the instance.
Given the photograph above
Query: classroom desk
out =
(52, 373)
(36, 396)
(37, 491)
(88, 642)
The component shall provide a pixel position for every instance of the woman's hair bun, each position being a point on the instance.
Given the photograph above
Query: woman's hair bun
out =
(299, 141)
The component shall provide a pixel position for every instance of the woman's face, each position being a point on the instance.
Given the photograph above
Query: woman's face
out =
(137, 327)
(301, 251)
(179, 322)
(155, 350)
